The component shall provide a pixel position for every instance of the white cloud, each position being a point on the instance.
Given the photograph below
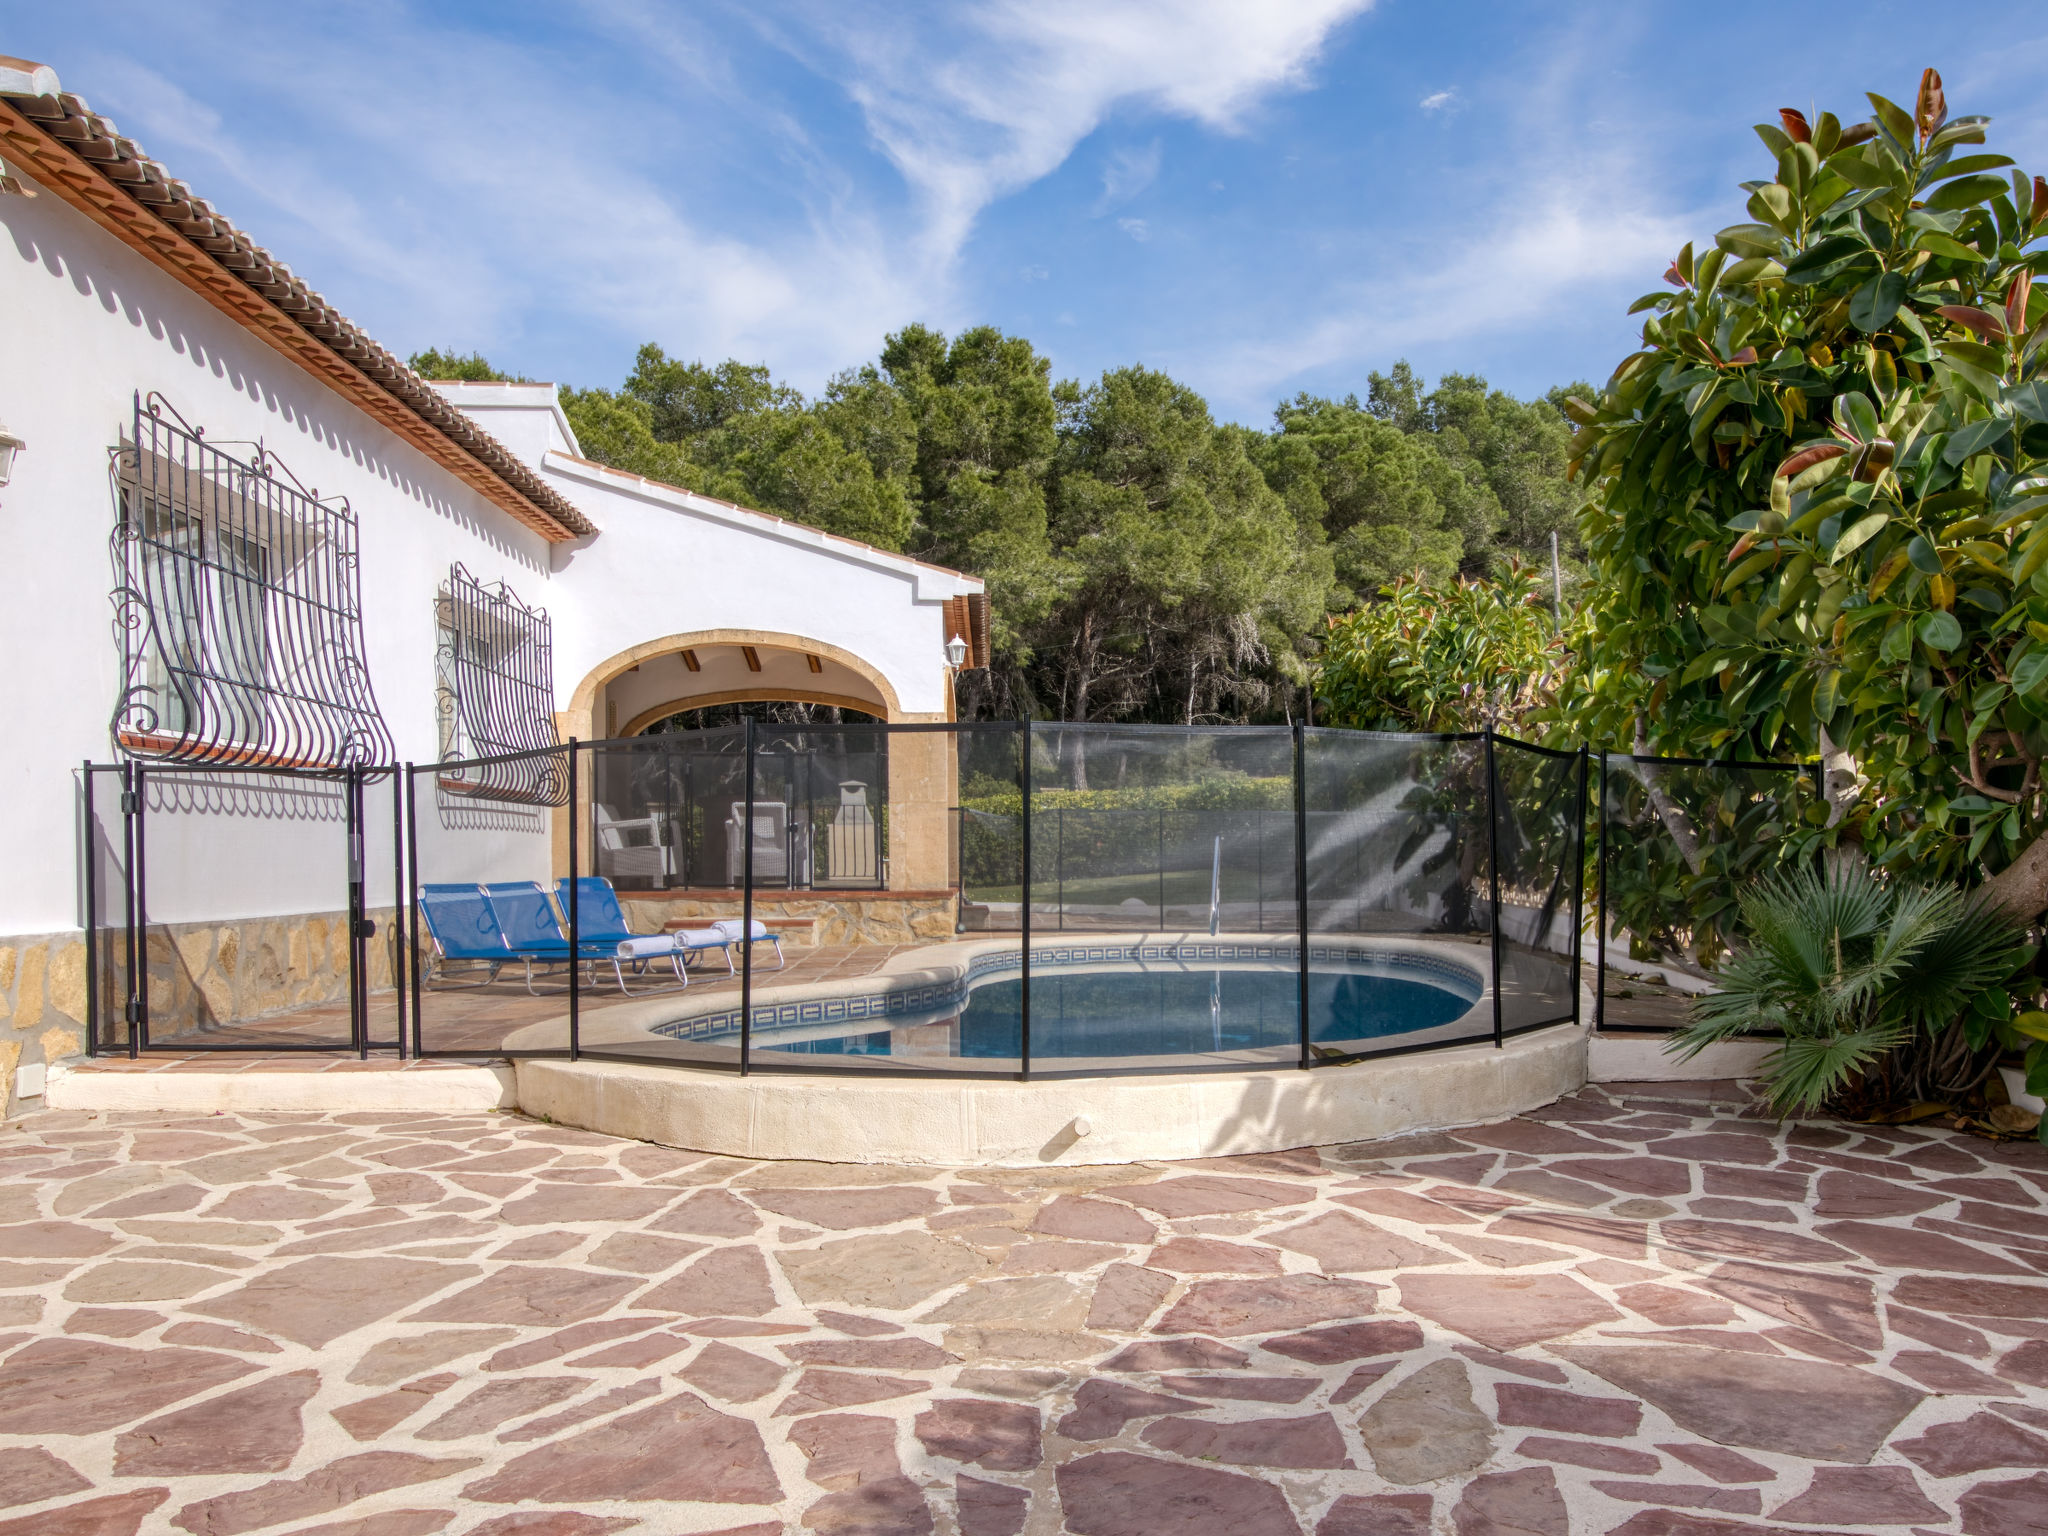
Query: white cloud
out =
(589, 186)
(1126, 173)
(1001, 95)
(1137, 229)
(1437, 100)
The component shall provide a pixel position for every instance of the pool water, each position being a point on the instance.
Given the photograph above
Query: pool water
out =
(1175, 1013)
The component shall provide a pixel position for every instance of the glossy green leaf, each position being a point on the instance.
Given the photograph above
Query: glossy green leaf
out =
(2030, 400)
(1966, 193)
(1827, 694)
(1940, 631)
(1877, 301)
(1860, 171)
(1946, 245)
(1857, 534)
(2030, 673)
(1748, 240)
(1977, 437)
(1895, 119)
(1855, 412)
(1830, 255)
(1964, 165)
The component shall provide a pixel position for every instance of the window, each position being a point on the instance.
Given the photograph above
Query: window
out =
(495, 694)
(238, 607)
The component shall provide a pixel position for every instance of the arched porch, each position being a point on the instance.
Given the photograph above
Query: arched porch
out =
(903, 893)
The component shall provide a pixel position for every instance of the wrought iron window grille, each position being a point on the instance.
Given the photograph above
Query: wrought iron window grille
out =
(237, 606)
(495, 694)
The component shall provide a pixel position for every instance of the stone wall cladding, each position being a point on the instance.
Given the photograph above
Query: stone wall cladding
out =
(200, 974)
(205, 974)
(42, 1006)
(870, 920)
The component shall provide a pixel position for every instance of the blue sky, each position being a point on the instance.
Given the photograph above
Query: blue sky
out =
(1260, 197)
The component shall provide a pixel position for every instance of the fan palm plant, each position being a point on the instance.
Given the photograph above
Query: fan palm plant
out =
(1883, 991)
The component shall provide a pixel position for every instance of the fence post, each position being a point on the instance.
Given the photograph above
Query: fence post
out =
(1493, 874)
(1600, 933)
(409, 895)
(747, 916)
(575, 933)
(1024, 911)
(130, 1013)
(1579, 894)
(398, 906)
(1301, 884)
(358, 1003)
(138, 976)
(92, 940)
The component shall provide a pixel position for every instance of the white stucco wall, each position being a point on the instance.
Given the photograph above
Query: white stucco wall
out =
(87, 323)
(687, 563)
(667, 561)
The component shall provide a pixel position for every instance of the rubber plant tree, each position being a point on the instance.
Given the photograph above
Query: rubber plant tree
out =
(1817, 505)
(1452, 656)
(1816, 497)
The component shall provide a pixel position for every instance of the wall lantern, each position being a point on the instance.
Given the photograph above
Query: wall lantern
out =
(10, 445)
(956, 648)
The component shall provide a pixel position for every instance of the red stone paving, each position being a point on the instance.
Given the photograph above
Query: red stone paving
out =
(388, 1324)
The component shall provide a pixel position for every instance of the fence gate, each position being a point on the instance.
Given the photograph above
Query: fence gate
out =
(246, 909)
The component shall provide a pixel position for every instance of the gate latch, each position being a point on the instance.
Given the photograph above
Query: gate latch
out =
(366, 928)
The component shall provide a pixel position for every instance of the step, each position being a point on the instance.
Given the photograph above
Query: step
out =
(267, 1084)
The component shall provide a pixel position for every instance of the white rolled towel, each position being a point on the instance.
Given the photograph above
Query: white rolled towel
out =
(646, 945)
(732, 928)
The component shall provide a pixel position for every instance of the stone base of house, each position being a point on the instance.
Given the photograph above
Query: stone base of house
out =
(42, 1006)
(201, 975)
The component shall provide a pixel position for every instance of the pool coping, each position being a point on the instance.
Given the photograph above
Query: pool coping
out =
(931, 979)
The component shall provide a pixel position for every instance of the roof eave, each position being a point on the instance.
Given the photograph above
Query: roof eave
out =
(81, 159)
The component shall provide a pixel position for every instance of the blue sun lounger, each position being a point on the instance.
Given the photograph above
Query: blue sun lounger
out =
(599, 918)
(534, 932)
(464, 929)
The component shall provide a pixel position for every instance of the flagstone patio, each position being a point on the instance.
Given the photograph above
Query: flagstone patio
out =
(1644, 1310)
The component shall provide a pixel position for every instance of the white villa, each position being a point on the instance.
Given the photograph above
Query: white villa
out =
(208, 472)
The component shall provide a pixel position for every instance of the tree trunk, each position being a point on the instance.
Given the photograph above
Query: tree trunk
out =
(2021, 888)
(1840, 781)
(1676, 822)
(1084, 655)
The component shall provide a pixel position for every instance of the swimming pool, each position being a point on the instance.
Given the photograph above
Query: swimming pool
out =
(1127, 1013)
(1100, 1005)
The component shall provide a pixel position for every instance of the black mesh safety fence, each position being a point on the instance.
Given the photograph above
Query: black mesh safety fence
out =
(1677, 839)
(1539, 860)
(107, 901)
(242, 908)
(1399, 909)
(488, 940)
(993, 899)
